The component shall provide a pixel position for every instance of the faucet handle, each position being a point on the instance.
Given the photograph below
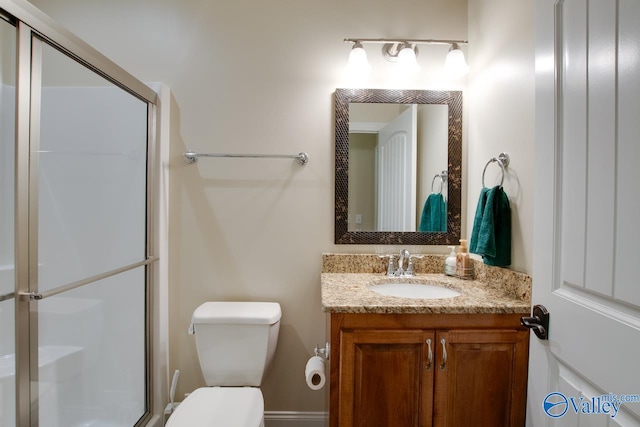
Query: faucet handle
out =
(390, 269)
(410, 271)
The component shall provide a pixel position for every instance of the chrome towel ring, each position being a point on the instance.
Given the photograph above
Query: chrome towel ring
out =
(503, 161)
(443, 178)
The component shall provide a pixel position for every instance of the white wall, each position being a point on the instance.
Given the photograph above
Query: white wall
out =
(362, 181)
(250, 77)
(433, 128)
(500, 112)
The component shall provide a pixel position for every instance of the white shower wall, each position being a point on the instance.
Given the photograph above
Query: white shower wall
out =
(91, 219)
(7, 120)
(91, 172)
(7, 313)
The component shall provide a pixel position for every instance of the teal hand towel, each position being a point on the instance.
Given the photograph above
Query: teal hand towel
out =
(491, 234)
(477, 219)
(434, 214)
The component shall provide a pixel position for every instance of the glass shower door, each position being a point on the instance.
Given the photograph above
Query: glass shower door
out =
(89, 182)
(7, 183)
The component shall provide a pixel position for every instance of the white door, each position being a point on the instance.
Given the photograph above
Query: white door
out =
(587, 214)
(396, 173)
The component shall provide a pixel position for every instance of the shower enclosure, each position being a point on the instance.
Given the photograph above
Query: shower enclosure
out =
(77, 246)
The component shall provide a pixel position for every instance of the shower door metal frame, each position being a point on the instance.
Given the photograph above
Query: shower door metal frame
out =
(33, 29)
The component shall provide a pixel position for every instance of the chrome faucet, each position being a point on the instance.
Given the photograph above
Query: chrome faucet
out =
(400, 271)
(404, 254)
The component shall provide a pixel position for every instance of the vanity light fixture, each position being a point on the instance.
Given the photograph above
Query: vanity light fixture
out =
(404, 52)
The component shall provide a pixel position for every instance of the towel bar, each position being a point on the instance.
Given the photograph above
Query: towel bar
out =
(302, 158)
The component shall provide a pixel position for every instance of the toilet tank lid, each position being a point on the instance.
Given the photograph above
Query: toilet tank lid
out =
(246, 313)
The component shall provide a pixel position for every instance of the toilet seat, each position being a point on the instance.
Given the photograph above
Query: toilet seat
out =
(220, 406)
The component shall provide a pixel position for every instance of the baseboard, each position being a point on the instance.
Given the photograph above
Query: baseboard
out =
(155, 421)
(295, 419)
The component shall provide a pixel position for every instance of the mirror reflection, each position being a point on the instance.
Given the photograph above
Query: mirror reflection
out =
(398, 166)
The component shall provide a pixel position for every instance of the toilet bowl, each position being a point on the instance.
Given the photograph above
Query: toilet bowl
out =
(220, 406)
(236, 342)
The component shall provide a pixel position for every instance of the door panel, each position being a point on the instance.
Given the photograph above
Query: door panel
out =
(396, 173)
(88, 220)
(601, 149)
(575, 118)
(385, 378)
(628, 205)
(482, 381)
(587, 153)
(91, 346)
(91, 163)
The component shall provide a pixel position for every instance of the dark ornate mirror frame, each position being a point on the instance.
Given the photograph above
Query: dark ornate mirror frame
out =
(454, 100)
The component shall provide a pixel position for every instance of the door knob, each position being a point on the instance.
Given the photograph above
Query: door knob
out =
(539, 322)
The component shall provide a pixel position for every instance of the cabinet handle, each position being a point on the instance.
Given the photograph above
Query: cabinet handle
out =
(444, 354)
(429, 356)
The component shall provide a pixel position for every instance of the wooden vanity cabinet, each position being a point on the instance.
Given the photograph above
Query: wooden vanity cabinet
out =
(391, 370)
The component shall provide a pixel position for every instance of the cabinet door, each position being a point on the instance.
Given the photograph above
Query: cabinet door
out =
(386, 378)
(481, 378)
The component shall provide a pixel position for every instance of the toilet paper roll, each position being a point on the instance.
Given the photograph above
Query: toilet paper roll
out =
(314, 373)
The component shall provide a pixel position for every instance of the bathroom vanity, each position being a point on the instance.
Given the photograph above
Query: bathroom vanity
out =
(425, 362)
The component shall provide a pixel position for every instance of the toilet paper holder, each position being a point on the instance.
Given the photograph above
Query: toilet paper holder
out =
(324, 351)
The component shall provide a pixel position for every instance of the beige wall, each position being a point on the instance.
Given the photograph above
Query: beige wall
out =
(250, 76)
(500, 112)
(362, 180)
(433, 129)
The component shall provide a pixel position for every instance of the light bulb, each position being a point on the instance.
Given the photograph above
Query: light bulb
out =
(454, 64)
(358, 64)
(407, 63)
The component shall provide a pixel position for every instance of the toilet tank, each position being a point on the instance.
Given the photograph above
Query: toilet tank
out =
(236, 341)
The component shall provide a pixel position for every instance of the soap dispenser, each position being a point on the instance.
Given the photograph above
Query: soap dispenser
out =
(450, 262)
(464, 268)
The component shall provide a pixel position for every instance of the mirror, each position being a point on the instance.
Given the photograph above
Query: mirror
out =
(368, 197)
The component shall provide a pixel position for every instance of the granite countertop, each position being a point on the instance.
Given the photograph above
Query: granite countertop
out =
(346, 289)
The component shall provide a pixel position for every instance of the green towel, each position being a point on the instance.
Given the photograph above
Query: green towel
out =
(491, 234)
(477, 220)
(434, 214)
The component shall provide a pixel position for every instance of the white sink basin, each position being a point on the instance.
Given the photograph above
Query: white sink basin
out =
(414, 290)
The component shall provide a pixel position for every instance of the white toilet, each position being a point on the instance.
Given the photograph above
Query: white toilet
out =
(236, 342)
